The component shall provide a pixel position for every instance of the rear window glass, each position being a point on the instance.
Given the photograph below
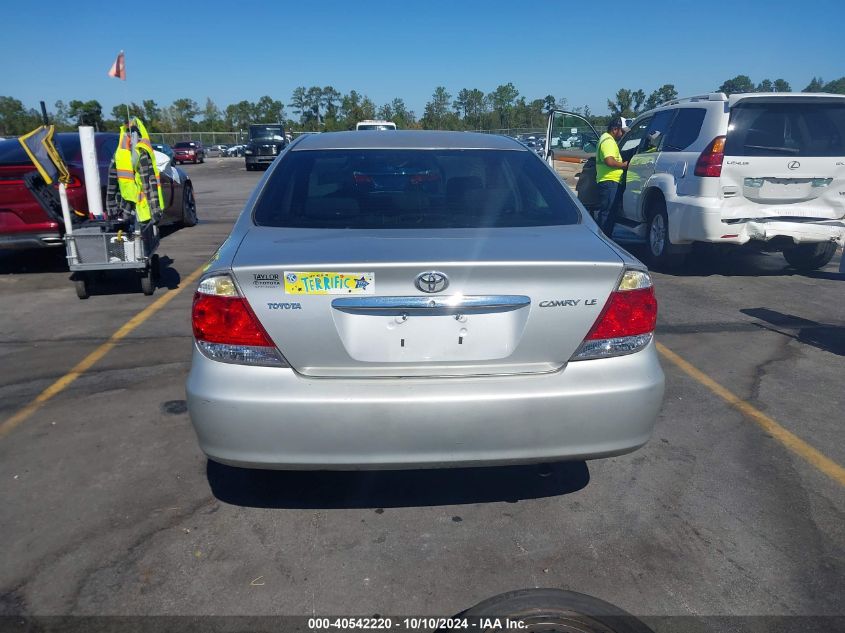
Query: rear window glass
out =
(181, 145)
(67, 144)
(685, 129)
(270, 132)
(787, 128)
(383, 189)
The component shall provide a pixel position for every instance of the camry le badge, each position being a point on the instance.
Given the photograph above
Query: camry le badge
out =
(432, 281)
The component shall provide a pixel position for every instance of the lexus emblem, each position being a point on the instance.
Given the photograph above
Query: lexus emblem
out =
(432, 281)
(794, 164)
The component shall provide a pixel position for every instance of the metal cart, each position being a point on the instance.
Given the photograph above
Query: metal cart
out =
(98, 246)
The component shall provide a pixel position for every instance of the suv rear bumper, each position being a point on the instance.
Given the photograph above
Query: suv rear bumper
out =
(698, 222)
(275, 418)
(22, 241)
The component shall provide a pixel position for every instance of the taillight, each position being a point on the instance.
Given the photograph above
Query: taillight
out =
(709, 163)
(626, 324)
(73, 183)
(226, 329)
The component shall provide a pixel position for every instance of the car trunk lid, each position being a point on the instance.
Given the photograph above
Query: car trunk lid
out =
(344, 302)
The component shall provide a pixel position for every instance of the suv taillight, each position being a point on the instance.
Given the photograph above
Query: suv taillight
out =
(709, 163)
(73, 183)
(626, 324)
(226, 329)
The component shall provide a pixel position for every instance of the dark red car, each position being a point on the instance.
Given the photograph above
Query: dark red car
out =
(188, 152)
(25, 224)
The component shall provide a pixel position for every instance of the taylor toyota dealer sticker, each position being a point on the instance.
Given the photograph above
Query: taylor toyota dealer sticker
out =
(319, 283)
(266, 280)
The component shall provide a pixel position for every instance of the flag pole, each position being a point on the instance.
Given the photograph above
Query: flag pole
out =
(126, 89)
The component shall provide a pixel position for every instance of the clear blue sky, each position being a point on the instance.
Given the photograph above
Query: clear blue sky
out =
(584, 51)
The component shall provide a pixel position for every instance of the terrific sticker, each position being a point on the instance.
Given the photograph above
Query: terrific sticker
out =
(317, 283)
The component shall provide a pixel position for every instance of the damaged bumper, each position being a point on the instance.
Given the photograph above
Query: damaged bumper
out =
(800, 232)
(697, 223)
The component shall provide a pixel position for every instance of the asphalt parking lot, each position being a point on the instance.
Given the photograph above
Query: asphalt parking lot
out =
(109, 507)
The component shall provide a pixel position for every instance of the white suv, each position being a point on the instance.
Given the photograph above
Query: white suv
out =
(767, 167)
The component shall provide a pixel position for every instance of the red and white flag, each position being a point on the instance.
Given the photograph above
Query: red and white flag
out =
(118, 68)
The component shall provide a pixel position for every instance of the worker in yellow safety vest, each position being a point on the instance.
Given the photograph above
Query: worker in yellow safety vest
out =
(610, 168)
(137, 171)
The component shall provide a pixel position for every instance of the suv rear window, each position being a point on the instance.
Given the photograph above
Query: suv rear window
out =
(384, 189)
(787, 128)
(67, 143)
(184, 144)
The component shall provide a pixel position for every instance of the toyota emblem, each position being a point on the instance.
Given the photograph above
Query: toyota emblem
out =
(432, 281)
(794, 164)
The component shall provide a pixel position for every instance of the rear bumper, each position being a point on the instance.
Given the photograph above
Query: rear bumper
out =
(186, 158)
(23, 241)
(700, 222)
(275, 418)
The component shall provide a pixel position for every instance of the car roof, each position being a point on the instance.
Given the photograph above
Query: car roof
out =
(405, 139)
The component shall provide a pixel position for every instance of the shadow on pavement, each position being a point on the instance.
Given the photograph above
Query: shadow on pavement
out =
(706, 260)
(127, 282)
(392, 488)
(830, 338)
(168, 276)
(21, 262)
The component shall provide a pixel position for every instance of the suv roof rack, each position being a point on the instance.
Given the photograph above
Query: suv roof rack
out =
(710, 96)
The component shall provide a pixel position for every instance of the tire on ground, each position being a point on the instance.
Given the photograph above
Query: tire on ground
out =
(555, 609)
(810, 256)
(189, 206)
(662, 253)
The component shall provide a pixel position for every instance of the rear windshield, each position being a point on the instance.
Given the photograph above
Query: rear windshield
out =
(67, 143)
(376, 127)
(415, 189)
(272, 132)
(787, 128)
(180, 145)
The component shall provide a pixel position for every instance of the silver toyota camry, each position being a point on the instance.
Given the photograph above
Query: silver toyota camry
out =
(419, 299)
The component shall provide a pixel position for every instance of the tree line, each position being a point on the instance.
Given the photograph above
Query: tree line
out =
(327, 109)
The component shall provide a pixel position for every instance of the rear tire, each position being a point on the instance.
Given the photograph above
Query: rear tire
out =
(661, 252)
(810, 256)
(189, 206)
(147, 283)
(80, 282)
(553, 610)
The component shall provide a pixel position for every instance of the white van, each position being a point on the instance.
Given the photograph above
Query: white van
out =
(762, 167)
